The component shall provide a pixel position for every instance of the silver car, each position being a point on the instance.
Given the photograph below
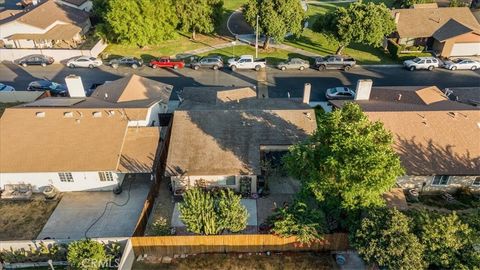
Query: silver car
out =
(462, 63)
(429, 63)
(6, 88)
(340, 93)
(84, 61)
(294, 63)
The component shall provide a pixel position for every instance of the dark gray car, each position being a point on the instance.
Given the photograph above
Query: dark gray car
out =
(213, 62)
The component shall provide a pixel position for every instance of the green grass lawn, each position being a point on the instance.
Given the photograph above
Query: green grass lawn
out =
(273, 55)
(319, 43)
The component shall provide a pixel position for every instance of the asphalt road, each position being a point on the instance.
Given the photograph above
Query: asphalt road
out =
(274, 82)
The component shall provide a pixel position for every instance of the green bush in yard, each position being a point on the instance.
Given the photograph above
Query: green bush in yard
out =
(206, 212)
(87, 255)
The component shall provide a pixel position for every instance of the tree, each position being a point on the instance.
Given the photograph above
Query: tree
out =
(305, 222)
(448, 242)
(87, 254)
(410, 3)
(384, 237)
(277, 18)
(206, 212)
(349, 162)
(198, 15)
(138, 22)
(358, 23)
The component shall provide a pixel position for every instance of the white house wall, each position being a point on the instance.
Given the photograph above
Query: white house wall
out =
(454, 183)
(152, 115)
(214, 181)
(87, 6)
(82, 181)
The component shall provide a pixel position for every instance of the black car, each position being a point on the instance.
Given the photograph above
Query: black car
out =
(126, 61)
(214, 62)
(35, 59)
(55, 89)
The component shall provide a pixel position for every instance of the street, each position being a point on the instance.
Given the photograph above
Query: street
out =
(272, 81)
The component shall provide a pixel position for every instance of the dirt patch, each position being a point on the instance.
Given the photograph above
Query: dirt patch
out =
(23, 220)
(163, 207)
(296, 261)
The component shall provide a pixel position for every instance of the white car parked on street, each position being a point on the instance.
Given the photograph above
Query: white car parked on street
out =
(84, 61)
(462, 63)
(429, 63)
(341, 92)
(6, 88)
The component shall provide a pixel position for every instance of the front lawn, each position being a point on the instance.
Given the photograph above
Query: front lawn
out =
(23, 220)
(273, 55)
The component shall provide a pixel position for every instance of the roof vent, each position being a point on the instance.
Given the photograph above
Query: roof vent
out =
(40, 114)
(68, 114)
(110, 113)
(97, 114)
(452, 114)
(399, 97)
(106, 96)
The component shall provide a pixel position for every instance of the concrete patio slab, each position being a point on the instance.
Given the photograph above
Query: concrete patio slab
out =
(77, 211)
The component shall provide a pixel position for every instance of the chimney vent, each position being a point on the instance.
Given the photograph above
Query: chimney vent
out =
(399, 97)
(307, 89)
(397, 17)
(364, 87)
(75, 86)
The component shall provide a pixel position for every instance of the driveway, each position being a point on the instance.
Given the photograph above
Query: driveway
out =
(78, 211)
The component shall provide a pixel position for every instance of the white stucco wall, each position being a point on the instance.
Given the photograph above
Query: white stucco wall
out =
(152, 115)
(454, 183)
(82, 181)
(213, 181)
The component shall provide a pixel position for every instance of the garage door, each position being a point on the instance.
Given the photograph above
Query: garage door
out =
(465, 49)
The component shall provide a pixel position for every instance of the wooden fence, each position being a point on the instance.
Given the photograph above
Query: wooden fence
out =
(171, 245)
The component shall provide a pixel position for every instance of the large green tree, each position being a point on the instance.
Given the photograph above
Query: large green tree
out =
(140, 22)
(384, 237)
(198, 15)
(358, 23)
(277, 18)
(349, 162)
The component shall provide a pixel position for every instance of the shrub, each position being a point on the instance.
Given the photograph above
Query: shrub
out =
(86, 254)
(206, 212)
(160, 227)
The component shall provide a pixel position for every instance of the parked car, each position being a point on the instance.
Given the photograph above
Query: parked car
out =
(126, 61)
(6, 88)
(246, 62)
(335, 62)
(214, 62)
(462, 63)
(429, 63)
(84, 61)
(166, 62)
(35, 59)
(294, 63)
(340, 93)
(93, 87)
(55, 89)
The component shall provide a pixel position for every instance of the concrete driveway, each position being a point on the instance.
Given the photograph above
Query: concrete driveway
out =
(77, 211)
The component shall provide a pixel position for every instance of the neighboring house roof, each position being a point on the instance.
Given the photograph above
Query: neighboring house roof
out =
(433, 135)
(75, 2)
(222, 134)
(451, 29)
(72, 137)
(45, 14)
(424, 22)
(58, 32)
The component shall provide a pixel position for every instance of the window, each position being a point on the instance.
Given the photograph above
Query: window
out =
(105, 176)
(440, 180)
(476, 182)
(230, 181)
(65, 177)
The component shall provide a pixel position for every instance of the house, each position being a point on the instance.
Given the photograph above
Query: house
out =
(85, 5)
(449, 31)
(84, 143)
(47, 24)
(221, 136)
(435, 137)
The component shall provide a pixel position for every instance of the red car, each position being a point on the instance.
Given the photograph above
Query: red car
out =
(166, 62)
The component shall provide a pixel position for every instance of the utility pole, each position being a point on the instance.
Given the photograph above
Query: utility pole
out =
(256, 39)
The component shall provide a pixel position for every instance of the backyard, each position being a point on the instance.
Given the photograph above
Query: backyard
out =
(291, 260)
(23, 220)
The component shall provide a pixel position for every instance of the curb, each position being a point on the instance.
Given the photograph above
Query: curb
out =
(384, 66)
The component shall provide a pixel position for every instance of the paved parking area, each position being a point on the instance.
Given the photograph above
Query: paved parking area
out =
(77, 211)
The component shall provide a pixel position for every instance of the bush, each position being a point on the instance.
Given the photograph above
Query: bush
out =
(160, 227)
(393, 48)
(87, 254)
(206, 212)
